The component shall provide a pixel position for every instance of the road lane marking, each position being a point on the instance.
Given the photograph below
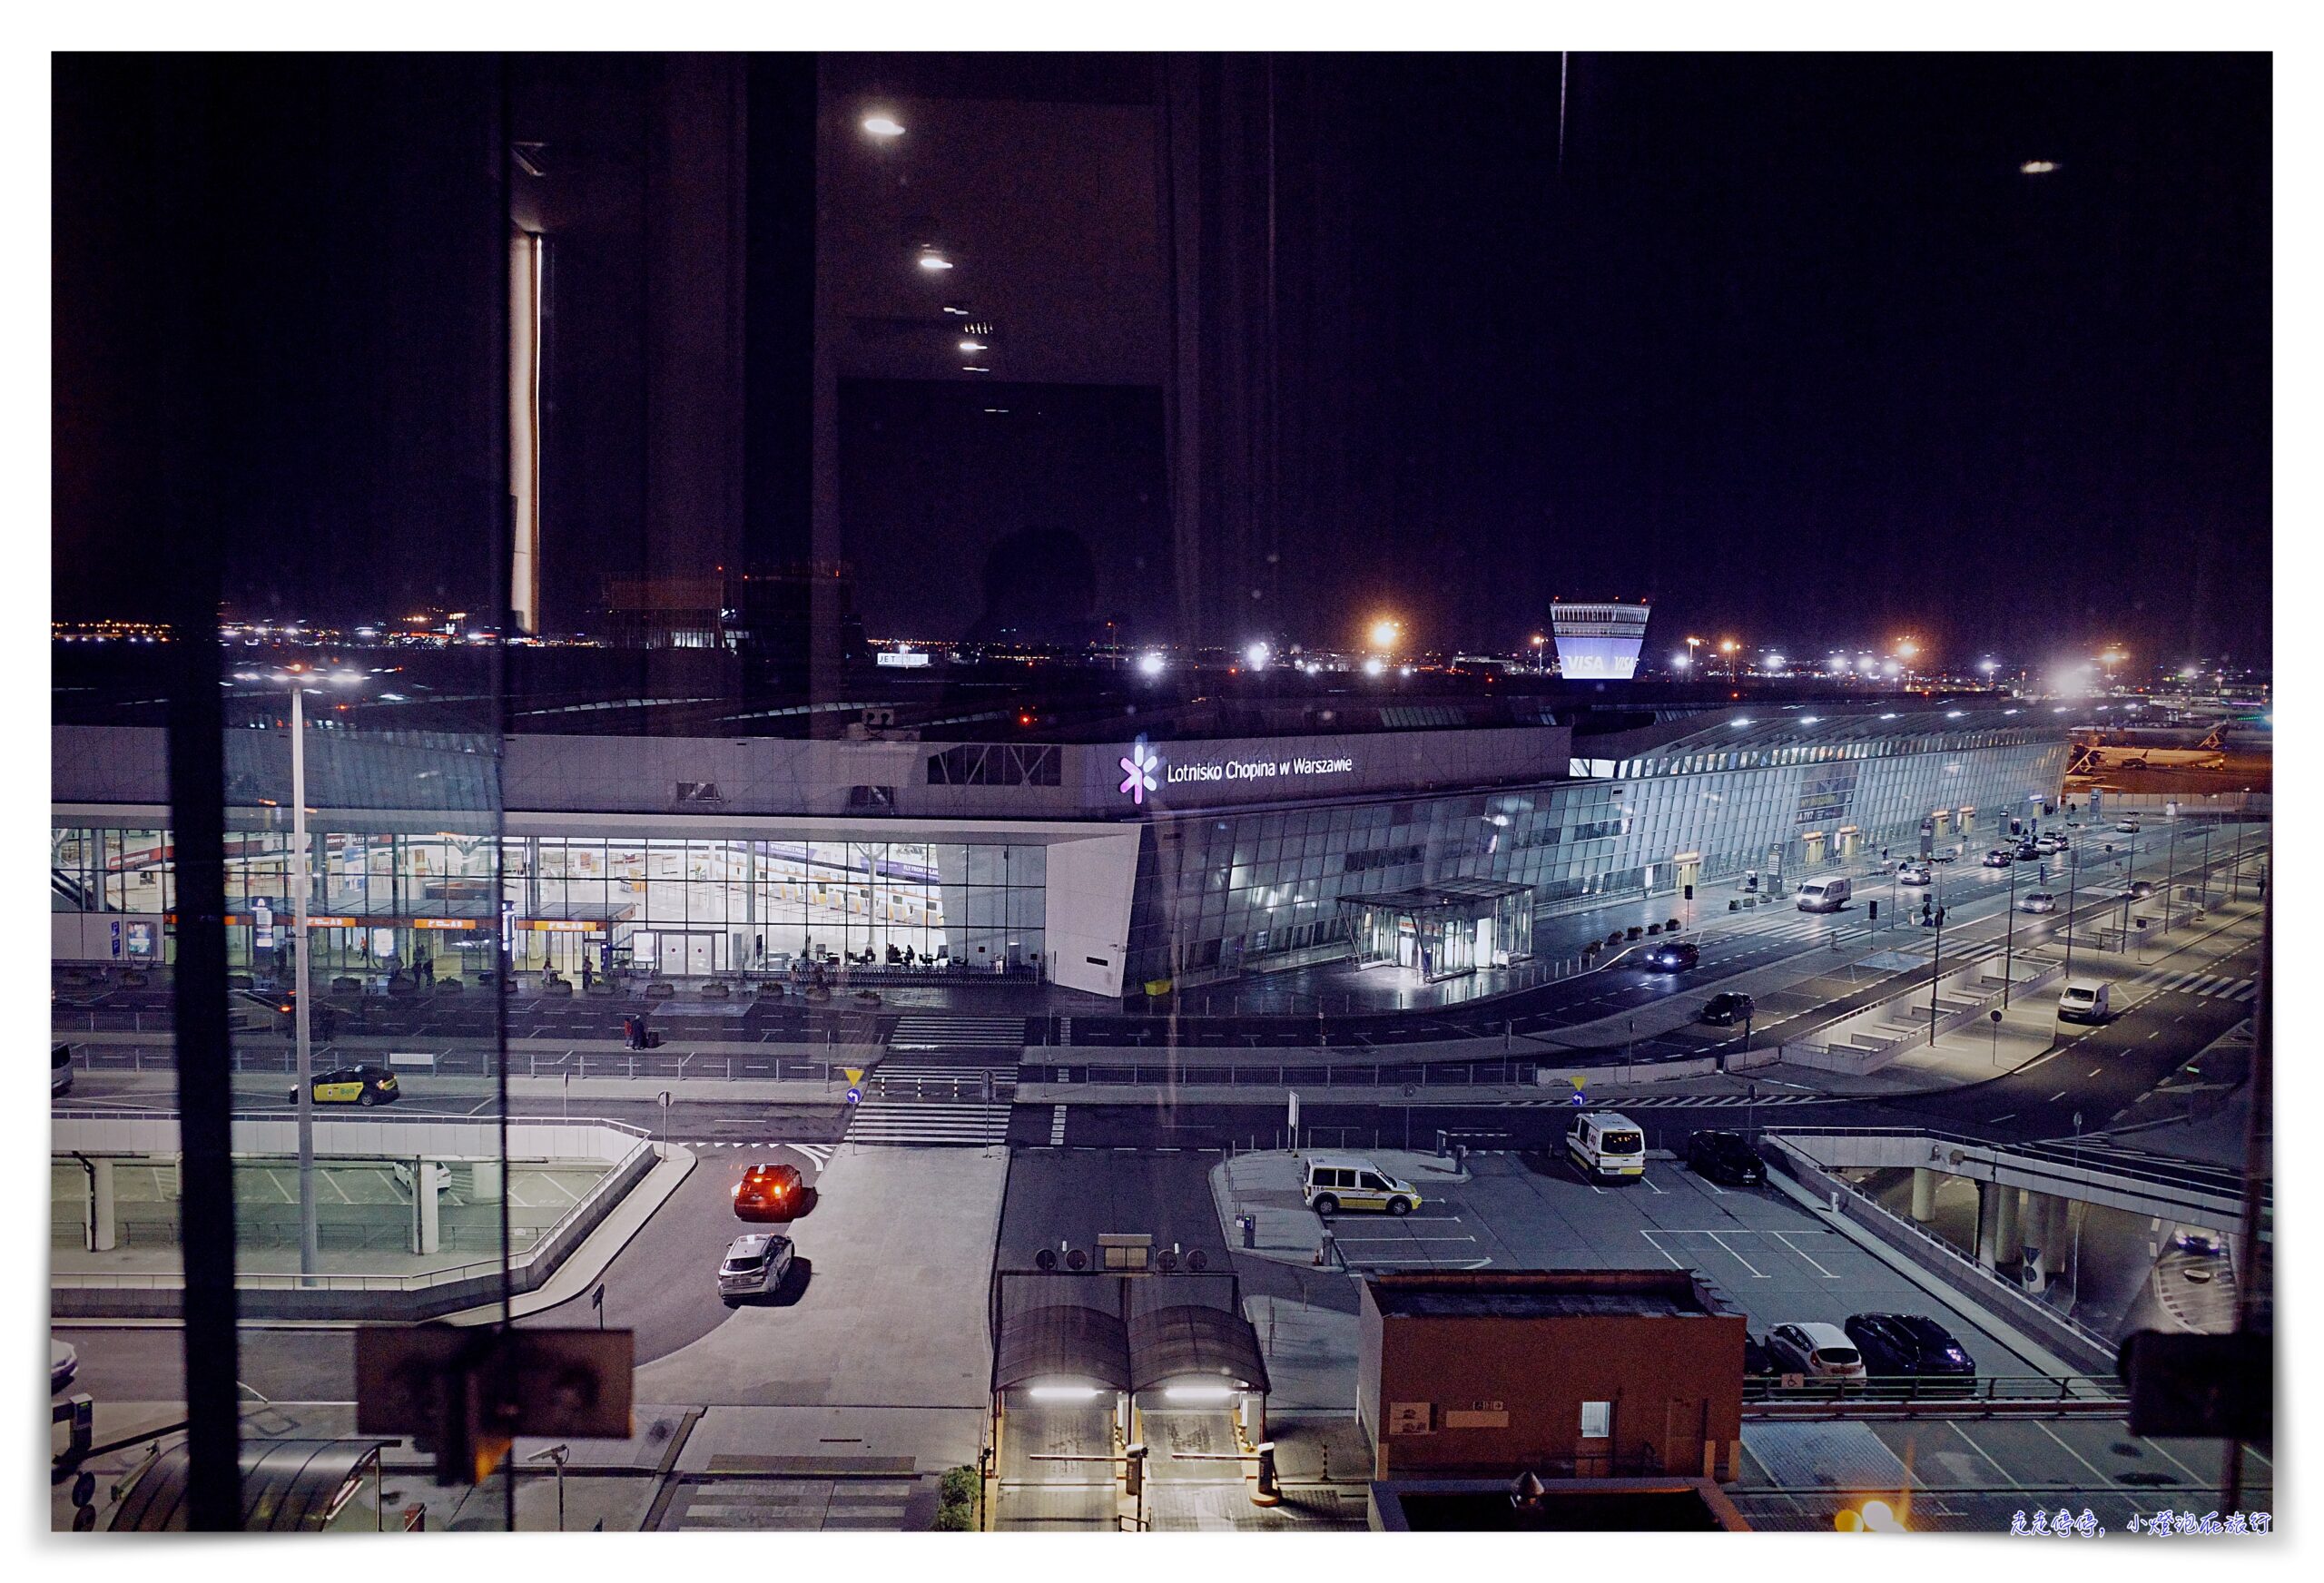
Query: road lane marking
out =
(2053, 1099)
(2005, 1116)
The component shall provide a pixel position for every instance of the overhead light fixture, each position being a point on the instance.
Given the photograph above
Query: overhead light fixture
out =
(2037, 167)
(934, 262)
(972, 346)
(1063, 1393)
(956, 310)
(1199, 1392)
(883, 126)
(974, 368)
(1150, 664)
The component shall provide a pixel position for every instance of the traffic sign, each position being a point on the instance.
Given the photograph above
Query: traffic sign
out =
(854, 1075)
(855, 1096)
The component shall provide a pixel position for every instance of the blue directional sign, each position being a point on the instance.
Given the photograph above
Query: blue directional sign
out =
(855, 1097)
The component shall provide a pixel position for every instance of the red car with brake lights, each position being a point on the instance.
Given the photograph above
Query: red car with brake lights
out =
(769, 1193)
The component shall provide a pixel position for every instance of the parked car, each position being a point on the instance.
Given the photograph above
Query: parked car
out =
(2038, 902)
(2049, 841)
(1910, 1344)
(1725, 1157)
(2127, 826)
(755, 1266)
(60, 1069)
(1911, 874)
(1756, 1364)
(364, 1085)
(63, 1363)
(2210, 1243)
(1820, 1351)
(1338, 1182)
(769, 1193)
(1997, 859)
(1728, 1007)
(1672, 957)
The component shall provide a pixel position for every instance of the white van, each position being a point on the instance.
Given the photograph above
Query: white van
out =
(1607, 1144)
(1338, 1182)
(1824, 895)
(2084, 1000)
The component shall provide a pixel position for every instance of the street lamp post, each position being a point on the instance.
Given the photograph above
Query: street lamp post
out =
(308, 1242)
(2170, 875)
(1937, 956)
(2073, 873)
(2009, 949)
(556, 1454)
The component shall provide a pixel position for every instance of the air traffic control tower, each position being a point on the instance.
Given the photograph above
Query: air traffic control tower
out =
(1598, 641)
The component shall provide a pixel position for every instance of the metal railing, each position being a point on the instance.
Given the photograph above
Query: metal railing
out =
(1948, 1390)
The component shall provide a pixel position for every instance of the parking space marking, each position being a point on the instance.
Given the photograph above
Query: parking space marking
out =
(1785, 1237)
(1756, 1273)
(1718, 1238)
(1984, 1455)
(2103, 1481)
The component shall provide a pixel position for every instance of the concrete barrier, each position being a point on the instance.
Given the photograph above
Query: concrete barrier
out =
(628, 1153)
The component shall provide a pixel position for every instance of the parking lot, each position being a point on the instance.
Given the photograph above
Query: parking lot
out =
(1778, 1263)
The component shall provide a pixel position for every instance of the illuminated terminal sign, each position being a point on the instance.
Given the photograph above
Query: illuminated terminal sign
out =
(1144, 770)
(1259, 768)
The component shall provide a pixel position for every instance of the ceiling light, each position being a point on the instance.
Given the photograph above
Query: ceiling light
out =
(934, 262)
(2037, 167)
(882, 127)
(972, 346)
(974, 368)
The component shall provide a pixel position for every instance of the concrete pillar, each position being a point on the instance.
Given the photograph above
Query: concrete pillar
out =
(2034, 1229)
(1988, 1224)
(426, 1236)
(488, 1180)
(1923, 1195)
(102, 1220)
(2055, 1232)
(2005, 1234)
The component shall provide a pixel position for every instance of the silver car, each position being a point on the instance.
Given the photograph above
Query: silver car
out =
(2038, 902)
(755, 1266)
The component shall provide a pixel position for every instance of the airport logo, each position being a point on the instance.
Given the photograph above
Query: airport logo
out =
(1137, 771)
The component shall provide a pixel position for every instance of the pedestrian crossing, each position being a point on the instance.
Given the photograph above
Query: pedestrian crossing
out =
(795, 1503)
(942, 1082)
(1056, 1126)
(1672, 1101)
(2195, 982)
(821, 1153)
(983, 1036)
(924, 1123)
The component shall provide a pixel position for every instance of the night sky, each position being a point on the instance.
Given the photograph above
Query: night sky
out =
(1790, 345)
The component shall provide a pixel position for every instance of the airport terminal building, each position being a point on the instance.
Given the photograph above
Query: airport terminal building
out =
(1104, 867)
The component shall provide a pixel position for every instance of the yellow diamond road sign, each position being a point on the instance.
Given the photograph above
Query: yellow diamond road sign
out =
(854, 1074)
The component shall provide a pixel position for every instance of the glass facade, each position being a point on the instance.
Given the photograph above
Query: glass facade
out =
(1224, 894)
(680, 907)
(1216, 895)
